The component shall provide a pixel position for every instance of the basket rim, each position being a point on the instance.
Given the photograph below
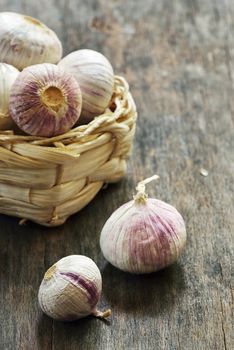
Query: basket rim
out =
(121, 87)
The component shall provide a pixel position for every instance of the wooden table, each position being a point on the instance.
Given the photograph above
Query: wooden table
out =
(178, 59)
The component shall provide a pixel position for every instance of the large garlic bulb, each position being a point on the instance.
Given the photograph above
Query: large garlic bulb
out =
(71, 289)
(143, 235)
(25, 41)
(45, 100)
(95, 76)
(8, 74)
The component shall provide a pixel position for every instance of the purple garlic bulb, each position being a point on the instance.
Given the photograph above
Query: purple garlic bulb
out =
(71, 289)
(143, 235)
(45, 101)
(95, 76)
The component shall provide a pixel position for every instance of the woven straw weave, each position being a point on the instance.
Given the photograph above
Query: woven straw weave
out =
(48, 179)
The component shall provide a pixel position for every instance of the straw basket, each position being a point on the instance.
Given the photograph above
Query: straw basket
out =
(48, 179)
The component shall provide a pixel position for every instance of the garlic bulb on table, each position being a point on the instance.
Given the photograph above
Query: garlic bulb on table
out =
(71, 289)
(25, 41)
(45, 100)
(95, 76)
(8, 75)
(143, 235)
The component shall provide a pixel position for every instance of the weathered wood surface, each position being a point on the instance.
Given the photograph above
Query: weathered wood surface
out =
(178, 59)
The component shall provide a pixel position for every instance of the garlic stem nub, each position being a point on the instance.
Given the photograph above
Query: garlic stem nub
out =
(102, 314)
(50, 272)
(141, 196)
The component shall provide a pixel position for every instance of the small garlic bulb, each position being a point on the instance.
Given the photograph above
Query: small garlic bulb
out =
(95, 76)
(8, 75)
(71, 289)
(25, 41)
(143, 235)
(45, 100)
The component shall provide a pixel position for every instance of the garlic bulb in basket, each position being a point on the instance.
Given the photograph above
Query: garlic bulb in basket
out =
(71, 289)
(8, 75)
(95, 76)
(143, 235)
(25, 41)
(45, 100)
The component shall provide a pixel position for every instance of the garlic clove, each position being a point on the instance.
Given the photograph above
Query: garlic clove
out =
(71, 289)
(45, 100)
(143, 235)
(95, 76)
(25, 41)
(8, 75)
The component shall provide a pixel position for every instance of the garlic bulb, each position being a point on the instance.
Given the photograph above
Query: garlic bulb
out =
(71, 289)
(25, 41)
(143, 235)
(8, 74)
(45, 101)
(95, 76)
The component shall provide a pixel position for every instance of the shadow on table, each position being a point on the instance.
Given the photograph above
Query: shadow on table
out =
(60, 335)
(147, 294)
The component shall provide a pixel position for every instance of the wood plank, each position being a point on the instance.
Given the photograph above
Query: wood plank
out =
(178, 59)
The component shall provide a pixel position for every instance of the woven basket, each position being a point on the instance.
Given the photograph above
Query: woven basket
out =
(48, 179)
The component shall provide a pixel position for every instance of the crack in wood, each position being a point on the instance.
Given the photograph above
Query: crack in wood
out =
(223, 328)
(52, 335)
(178, 339)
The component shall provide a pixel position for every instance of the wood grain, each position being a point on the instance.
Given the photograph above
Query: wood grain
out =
(178, 59)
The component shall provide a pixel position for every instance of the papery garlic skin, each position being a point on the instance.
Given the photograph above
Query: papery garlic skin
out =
(71, 289)
(143, 237)
(95, 76)
(45, 100)
(25, 41)
(8, 75)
